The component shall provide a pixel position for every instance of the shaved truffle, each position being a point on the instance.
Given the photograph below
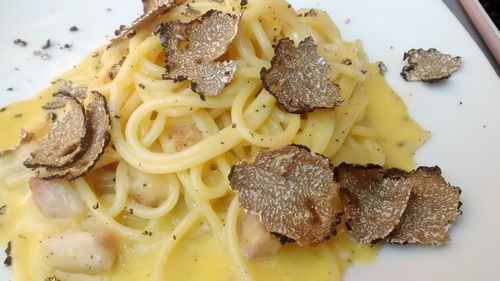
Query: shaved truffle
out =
(192, 48)
(68, 86)
(433, 206)
(100, 125)
(429, 65)
(152, 9)
(299, 78)
(292, 191)
(24, 137)
(67, 139)
(375, 200)
(56, 103)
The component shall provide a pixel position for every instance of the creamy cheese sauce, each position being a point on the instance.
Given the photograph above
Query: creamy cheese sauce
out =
(199, 255)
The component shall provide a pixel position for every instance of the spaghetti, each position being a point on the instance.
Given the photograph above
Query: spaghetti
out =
(162, 187)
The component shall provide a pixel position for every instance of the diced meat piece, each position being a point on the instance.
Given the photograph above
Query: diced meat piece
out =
(147, 189)
(256, 240)
(81, 252)
(183, 132)
(56, 198)
(185, 136)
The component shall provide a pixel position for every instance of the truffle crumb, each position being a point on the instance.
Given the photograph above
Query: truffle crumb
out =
(51, 116)
(311, 13)
(299, 78)
(47, 44)
(382, 68)
(115, 68)
(19, 42)
(8, 251)
(292, 191)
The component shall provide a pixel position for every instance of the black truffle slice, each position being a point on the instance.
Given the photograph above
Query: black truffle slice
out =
(192, 48)
(429, 65)
(56, 103)
(433, 206)
(292, 191)
(375, 200)
(152, 9)
(100, 125)
(24, 137)
(67, 139)
(299, 78)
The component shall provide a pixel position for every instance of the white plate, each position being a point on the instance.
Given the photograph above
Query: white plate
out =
(465, 139)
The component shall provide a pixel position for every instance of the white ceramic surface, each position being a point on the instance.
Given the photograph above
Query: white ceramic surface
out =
(465, 139)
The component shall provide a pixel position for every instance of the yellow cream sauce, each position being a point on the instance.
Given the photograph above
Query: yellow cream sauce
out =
(199, 255)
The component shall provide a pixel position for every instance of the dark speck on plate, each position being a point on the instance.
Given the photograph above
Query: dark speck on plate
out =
(20, 42)
(47, 44)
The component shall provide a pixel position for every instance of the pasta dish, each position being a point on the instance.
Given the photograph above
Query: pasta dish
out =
(158, 204)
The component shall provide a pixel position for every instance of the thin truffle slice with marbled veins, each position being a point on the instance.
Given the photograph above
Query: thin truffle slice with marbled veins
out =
(292, 191)
(433, 206)
(375, 199)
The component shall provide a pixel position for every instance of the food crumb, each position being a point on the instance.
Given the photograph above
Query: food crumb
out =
(66, 46)
(460, 102)
(47, 44)
(347, 21)
(20, 42)
(74, 28)
(8, 250)
(10, 89)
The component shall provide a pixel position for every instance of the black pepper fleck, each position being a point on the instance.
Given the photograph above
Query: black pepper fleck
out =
(347, 61)
(73, 28)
